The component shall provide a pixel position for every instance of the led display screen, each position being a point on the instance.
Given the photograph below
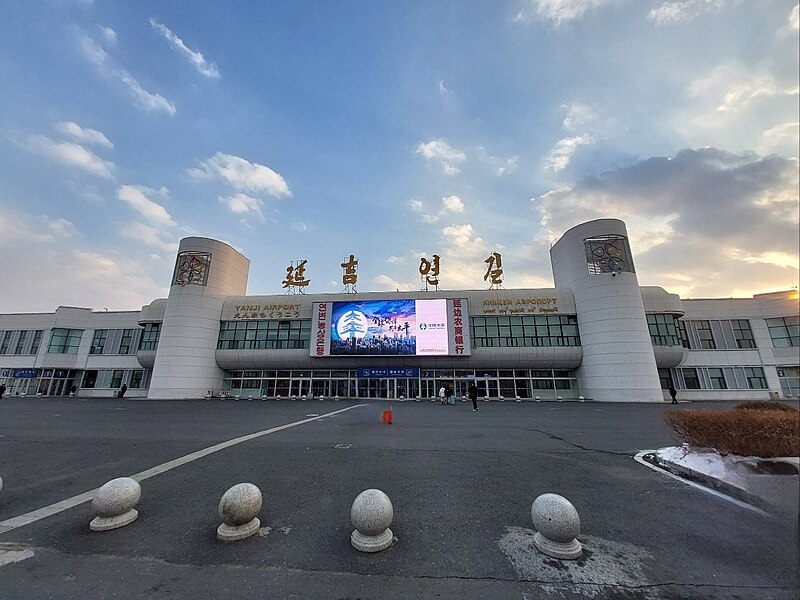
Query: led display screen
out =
(389, 327)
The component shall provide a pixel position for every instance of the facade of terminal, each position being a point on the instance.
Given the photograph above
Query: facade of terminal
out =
(596, 335)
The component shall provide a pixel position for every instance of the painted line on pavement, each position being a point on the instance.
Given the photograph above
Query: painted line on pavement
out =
(47, 511)
(638, 458)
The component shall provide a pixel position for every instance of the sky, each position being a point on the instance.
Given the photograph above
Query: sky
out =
(394, 131)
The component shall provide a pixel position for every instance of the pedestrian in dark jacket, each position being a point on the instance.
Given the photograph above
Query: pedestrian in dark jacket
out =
(673, 393)
(473, 395)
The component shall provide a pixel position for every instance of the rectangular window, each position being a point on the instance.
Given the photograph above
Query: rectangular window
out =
(717, 378)
(690, 379)
(21, 342)
(784, 331)
(149, 339)
(116, 378)
(743, 334)
(99, 341)
(6, 342)
(89, 379)
(755, 378)
(136, 378)
(705, 336)
(37, 340)
(64, 341)
(126, 341)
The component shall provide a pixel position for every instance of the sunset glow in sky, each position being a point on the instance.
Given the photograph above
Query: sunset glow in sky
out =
(394, 131)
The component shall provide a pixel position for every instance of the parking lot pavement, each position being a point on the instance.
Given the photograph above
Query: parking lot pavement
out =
(461, 484)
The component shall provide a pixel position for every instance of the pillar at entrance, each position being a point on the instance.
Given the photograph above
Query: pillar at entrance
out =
(206, 271)
(595, 262)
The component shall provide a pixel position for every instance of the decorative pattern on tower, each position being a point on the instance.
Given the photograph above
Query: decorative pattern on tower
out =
(608, 254)
(191, 268)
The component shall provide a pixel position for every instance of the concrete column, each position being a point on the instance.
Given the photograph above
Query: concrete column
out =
(618, 363)
(185, 364)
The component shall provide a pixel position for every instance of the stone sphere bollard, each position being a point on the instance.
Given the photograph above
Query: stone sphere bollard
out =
(113, 503)
(557, 525)
(238, 510)
(371, 514)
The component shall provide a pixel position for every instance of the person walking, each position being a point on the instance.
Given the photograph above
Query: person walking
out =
(673, 393)
(473, 395)
(122, 391)
(442, 394)
(2, 390)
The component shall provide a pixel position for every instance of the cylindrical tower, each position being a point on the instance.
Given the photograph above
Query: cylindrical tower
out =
(595, 262)
(206, 271)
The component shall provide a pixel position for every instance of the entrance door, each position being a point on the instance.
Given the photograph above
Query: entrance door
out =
(487, 388)
(57, 387)
(300, 387)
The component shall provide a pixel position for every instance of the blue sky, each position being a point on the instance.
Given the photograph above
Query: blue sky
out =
(393, 131)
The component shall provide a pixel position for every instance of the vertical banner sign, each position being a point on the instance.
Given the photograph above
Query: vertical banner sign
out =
(458, 327)
(320, 328)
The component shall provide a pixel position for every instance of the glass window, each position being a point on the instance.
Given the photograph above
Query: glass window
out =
(690, 379)
(89, 379)
(125, 342)
(717, 378)
(136, 378)
(784, 331)
(150, 335)
(6, 342)
(21, 342)
(705, 335)
(64, 341)
(37, 340)
(99, 341)
(743, 334)
(116, 378)
(755, 378)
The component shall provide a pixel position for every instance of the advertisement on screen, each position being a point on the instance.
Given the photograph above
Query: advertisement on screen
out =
(389, 327)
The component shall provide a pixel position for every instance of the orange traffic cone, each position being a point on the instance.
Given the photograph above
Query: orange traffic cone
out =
(387, 416)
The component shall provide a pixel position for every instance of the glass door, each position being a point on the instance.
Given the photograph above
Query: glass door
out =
(300, 387)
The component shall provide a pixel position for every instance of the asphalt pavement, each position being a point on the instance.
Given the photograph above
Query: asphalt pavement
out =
(461, 483)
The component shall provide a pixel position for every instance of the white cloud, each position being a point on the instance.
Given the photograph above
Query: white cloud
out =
(109, 35)
(442, 152)
(450, 204)
(560, 156)
(578, 115)
(557, 11)
(782, 139)
(149, 235)
(670, 13)
(136, 196)
(443, 88)
(243, 204)
(242, 175)
(197, 59)
(732, 106)
(500, 166)
(100, 58)
(85, 276)
(70, 154)
(386, 283)
(794, 18)
(396, 260)
(735, 211)
(148, 101)
(84, 135)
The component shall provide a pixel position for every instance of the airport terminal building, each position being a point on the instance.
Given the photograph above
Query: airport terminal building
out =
(597, 335)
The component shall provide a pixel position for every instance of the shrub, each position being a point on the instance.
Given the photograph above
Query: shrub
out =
(764, 405)
(763, 433)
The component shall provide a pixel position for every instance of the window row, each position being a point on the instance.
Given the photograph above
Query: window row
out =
(784, 331)
(720, 378)
(64, 341)
(21, 341)
(664, 330)
(114, 341)
(264, 335)
(716, 335)
(150, 335)
(115, 378)
(524, 331)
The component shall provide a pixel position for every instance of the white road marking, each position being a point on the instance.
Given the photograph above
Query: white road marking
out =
(47, 511)
(638, 458)
(14, 556)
